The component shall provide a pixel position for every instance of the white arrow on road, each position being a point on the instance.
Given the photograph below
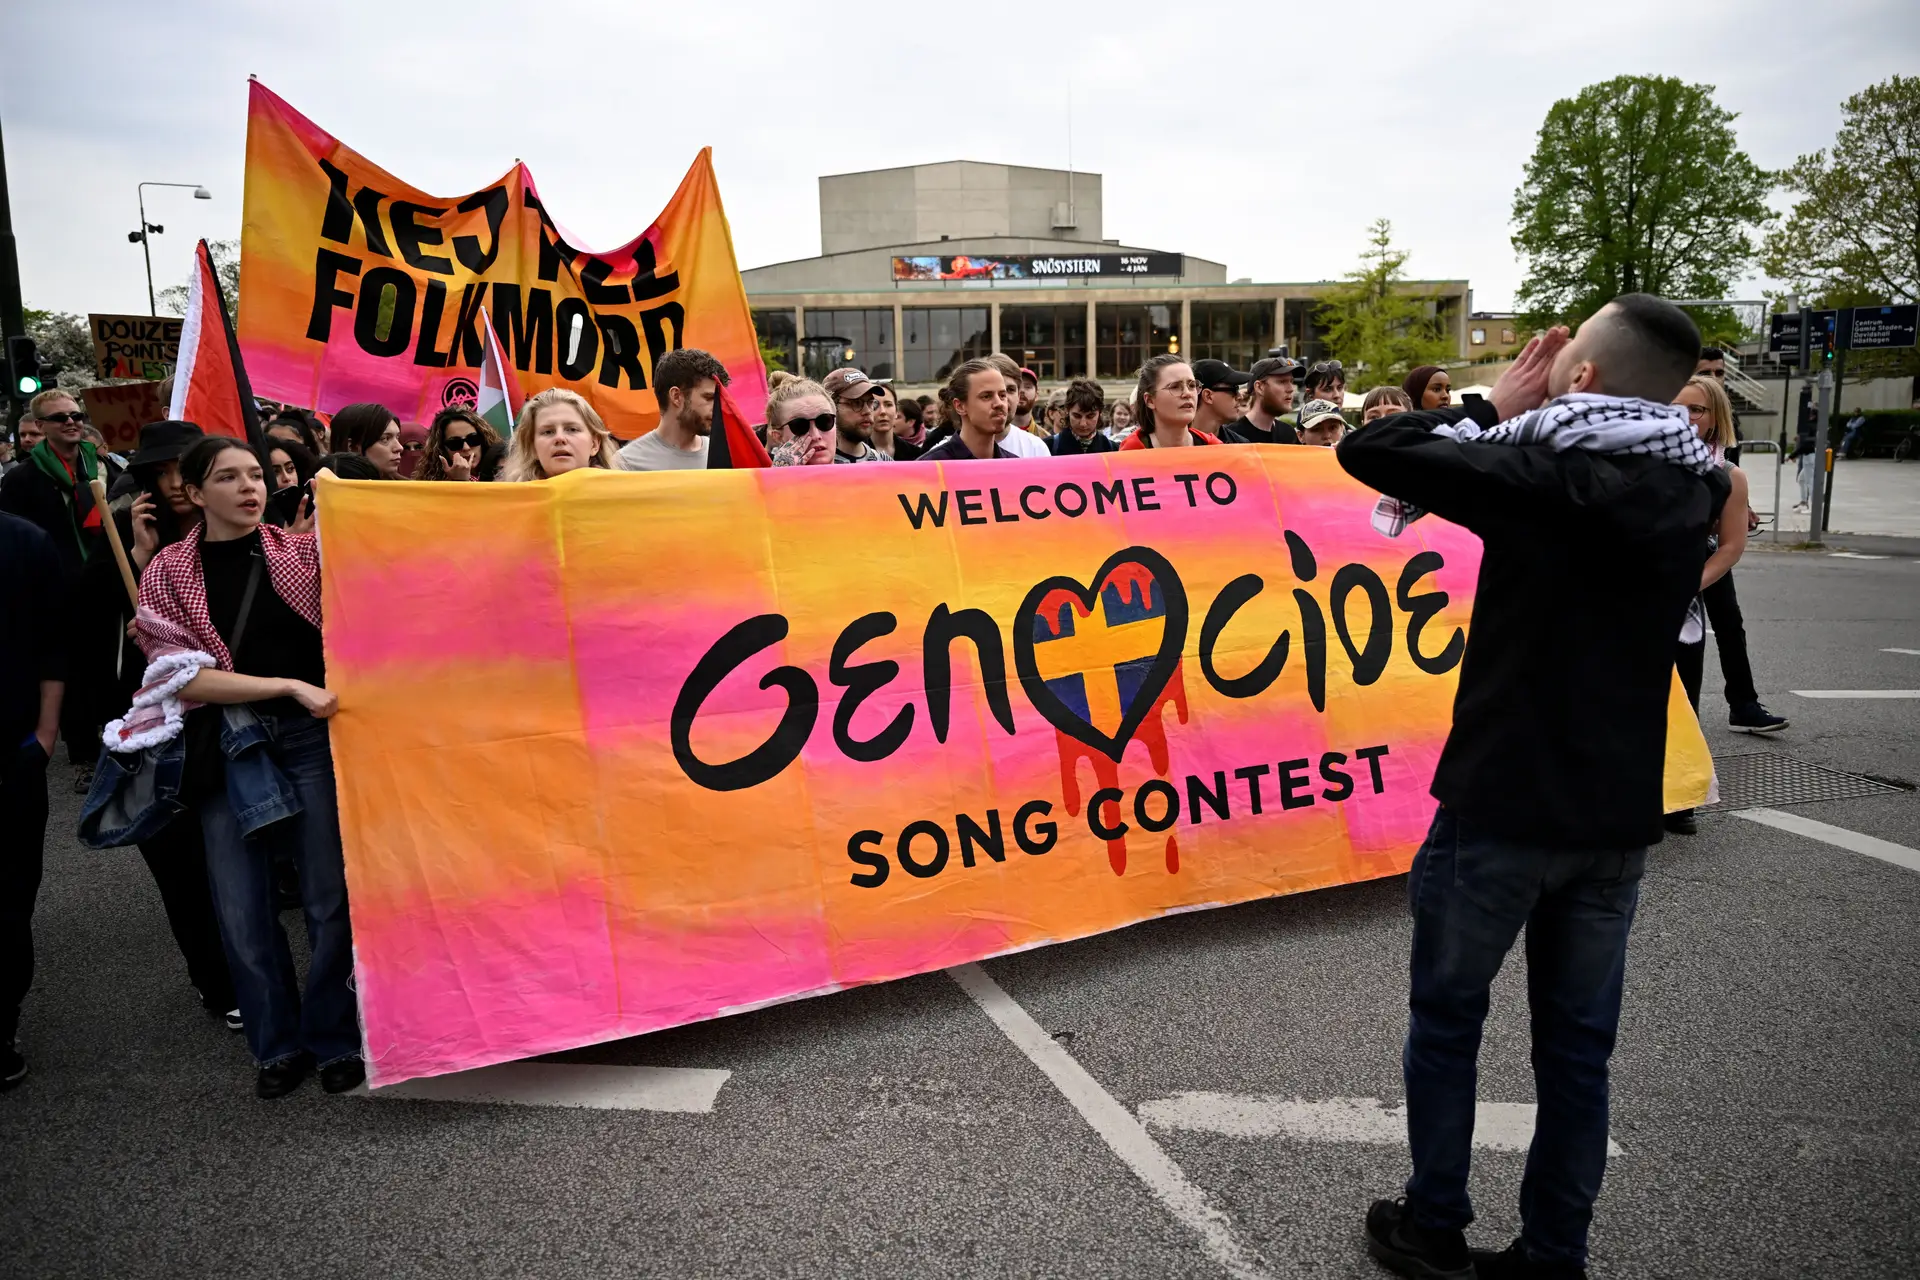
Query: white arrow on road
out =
(1497, 1126)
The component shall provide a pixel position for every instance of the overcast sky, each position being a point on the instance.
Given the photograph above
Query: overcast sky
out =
(1265, 136)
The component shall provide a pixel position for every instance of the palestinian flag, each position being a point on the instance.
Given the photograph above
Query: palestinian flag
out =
(732, 441)
(210, 386)
(499, 398)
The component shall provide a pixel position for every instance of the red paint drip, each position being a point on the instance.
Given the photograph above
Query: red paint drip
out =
(1106, 773)
(1050, 608)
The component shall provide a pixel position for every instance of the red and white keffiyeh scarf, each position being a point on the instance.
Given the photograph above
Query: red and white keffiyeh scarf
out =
(177, 634)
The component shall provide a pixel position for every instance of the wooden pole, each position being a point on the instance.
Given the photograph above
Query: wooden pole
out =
(99, 487)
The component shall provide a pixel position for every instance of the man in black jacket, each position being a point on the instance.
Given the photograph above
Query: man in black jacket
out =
(1593, 511)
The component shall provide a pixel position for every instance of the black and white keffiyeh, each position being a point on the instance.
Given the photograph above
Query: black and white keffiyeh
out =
(1577, 420)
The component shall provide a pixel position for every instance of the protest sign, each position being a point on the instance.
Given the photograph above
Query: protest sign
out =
(362, 288)
(122, 410)
(622, 751)
(134, 346)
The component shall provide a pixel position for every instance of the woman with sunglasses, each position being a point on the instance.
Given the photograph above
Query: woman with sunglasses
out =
(801, 423)
(460, 446)
(1327, 380)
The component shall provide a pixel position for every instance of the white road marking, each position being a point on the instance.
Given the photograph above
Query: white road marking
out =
(1853, 841)
(1857, 693)
(1497, 1126)
(570, 1084)
(1127, 1137)
(1854, 555)
(1910, 652)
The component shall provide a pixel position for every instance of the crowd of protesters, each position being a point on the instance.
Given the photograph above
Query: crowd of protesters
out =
(215, 675)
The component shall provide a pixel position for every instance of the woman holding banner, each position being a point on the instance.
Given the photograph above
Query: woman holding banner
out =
(230, 617)
(558, 432)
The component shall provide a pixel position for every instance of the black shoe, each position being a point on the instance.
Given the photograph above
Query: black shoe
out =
(282, 1078)
(1512, 1263)
(83, 781)
(1404, 1247)
(233, 1020)
(338, 1077)
(13, 1067)
(1682, 823)
(1751, 717)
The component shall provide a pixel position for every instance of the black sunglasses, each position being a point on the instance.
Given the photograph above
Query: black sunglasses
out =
(454, 444)
(821, 422)
(63, 417)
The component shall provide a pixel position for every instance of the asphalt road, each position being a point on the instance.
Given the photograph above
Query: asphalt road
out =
(1766, 1089)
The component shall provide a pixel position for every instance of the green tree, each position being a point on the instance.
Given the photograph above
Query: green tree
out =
(772, 355)
(226, 268)
(1376, 325)
(63, 338)
(1853, 237)
(1637, 185)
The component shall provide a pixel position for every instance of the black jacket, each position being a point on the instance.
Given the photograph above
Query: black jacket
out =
(1560, 722)
(33, 636)
(31, 494)
(1064, 443)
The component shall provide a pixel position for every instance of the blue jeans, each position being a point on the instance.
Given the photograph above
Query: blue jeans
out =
(280, 1023)
(1471, 892)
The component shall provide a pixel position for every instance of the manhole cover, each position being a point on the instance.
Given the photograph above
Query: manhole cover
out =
(1763, 780)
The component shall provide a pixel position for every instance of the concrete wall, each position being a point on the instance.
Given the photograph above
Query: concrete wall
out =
(956, 198)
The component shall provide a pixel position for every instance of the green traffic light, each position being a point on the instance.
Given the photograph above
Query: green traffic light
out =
(29, 386)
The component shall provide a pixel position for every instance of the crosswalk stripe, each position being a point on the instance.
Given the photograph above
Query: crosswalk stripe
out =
(1497, 1126)
(570, 1084)
(1839, 837)
(1856, 693)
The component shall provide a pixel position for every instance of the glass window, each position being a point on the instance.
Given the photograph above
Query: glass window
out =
(1506, 335)
(1236, 332)
(939, 338)
(1478, 337)
(1305, 336)
(775, 330)
(862, 338)
(1051, 341)
(1127, 333)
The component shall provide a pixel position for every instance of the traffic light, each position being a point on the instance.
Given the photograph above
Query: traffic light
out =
(23, 360)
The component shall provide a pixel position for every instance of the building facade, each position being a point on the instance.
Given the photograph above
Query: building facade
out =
(926, 266)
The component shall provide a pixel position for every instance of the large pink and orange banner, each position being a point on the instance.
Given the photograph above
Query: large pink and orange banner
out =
(360, 287)
(622, 751)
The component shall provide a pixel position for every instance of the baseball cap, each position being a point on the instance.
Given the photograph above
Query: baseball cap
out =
(1275, 367)
(848, 384)
(1028, 375)
(1215, 374)
(1315, 412)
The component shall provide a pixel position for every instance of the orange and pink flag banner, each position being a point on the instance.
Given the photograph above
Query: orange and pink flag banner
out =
(362, 288)
(623, 751)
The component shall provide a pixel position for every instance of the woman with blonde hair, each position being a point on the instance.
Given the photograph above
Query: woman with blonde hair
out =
(1711, 414)
(558, 432)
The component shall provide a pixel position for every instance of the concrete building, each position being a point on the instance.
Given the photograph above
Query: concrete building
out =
(924, 266)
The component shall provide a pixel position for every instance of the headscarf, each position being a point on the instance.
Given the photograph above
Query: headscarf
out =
(1416, 382)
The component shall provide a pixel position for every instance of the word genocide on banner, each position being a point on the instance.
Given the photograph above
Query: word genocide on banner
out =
(941, 713)
(360, 287)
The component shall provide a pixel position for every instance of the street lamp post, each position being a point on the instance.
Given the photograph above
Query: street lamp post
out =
(147, 228)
